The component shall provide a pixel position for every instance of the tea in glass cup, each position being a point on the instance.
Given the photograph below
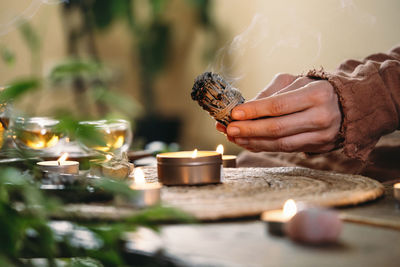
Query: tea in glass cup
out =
(37, 133)
(116, 135)
(5, 109)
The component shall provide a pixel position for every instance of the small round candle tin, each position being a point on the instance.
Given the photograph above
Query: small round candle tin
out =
(229, 161)
(65, 167)
(396, 188)
(189, 167)
(276, 219)
(146, 195)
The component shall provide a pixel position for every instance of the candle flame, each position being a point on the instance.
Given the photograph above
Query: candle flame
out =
(194, 155)
(139, 176)
(397, 185)
(290, 208)
(62, 159)
(220, 149)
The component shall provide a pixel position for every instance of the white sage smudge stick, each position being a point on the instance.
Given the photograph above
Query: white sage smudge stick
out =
(216, 96)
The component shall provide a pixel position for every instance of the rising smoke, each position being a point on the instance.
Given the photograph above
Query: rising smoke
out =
(30, 11)
(298, 32)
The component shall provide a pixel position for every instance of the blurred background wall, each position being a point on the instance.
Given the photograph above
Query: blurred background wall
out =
(256, 40)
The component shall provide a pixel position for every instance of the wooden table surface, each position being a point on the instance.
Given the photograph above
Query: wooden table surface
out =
(246, 243)
(384, 212)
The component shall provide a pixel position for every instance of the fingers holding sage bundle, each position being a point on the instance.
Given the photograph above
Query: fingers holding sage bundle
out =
(290, 114)
(305, 118)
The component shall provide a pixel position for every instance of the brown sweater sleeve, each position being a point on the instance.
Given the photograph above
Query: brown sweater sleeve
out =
(369, 95)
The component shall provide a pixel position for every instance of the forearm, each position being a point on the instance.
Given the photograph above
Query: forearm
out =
(369, 94)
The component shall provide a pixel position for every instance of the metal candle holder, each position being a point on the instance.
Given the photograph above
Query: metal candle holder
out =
(66, 167)
(181, 168)
(276, 219)
(146, 195)
(229, 161)
(396, 193)
(275, 222)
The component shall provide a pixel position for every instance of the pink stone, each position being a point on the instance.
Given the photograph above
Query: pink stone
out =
(314, 226)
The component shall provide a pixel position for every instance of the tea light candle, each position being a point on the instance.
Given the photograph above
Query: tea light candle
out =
(61, 165)
(275, 219)
(189, 167)
(396, 193)
(146, 194)
(228, 161)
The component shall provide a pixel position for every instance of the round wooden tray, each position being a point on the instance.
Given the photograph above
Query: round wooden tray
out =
(250, 191)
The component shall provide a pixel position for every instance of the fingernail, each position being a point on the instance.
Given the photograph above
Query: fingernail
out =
(238, 114)
(241, 141)
(233, 131)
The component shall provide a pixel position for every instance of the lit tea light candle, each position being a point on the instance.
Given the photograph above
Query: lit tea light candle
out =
(61, 165)
(189, 167)
(146, 194)
(276, 219)
(228, 161)
(396, 193)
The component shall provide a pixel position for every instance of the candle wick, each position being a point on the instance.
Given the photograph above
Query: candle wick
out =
(59, 163)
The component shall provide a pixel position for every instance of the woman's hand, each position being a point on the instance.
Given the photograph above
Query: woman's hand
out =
(291, 114)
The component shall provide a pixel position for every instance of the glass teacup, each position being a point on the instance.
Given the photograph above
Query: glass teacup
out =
(4, 123)
(36, 133)
(116, 135)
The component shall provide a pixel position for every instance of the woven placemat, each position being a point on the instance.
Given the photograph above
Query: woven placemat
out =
(250, 191)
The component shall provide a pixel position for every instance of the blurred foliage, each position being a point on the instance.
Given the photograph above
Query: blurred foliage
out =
(151, 36)
(17, 227)
(66, 71)
(7, 55)
(84, 133)
(31, 37)
(25, 211)
(18, 88)
(97, 75)
(26, 232)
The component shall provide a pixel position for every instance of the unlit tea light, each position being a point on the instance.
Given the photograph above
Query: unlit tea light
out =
(189, 167)
(61, 165)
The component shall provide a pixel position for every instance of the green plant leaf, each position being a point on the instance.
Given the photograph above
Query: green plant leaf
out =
(18, 88)
(123, 103)
(122, 8)
(30, 36)
(73, 68)
(153, 216)
(7, 55)
(203, 10)
(84, 262)
(103, 13)
(5, 262)
(114, 186)
(158, 6)
(84, 133)
(153, 47)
